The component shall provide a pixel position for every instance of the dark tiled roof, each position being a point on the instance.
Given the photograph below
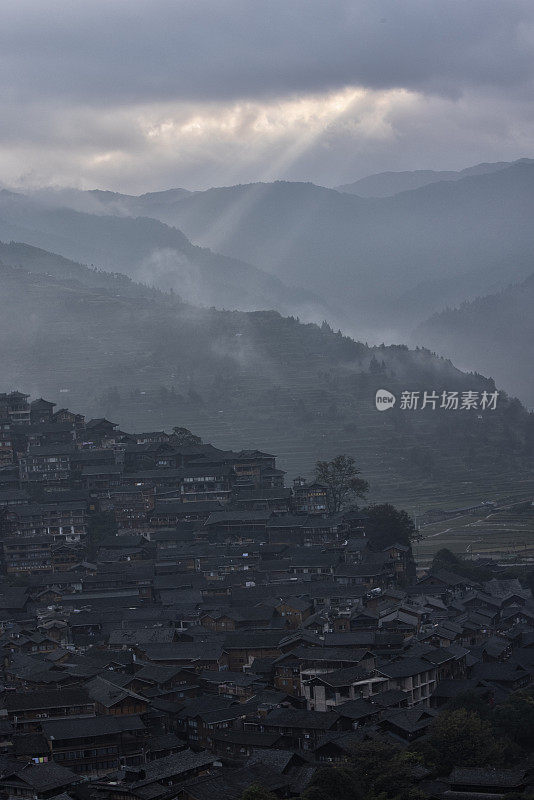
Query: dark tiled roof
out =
(389, 698)
(44, 777)
(350, 638)
(251, 738)
(357, 709)
(107, 693)
(52, 450)
(297, 718)
(499, 672)
(91, 726)
(197, 507)
(405, 667)
(173, 766)
(201, 705)
(343, 677)
(19, 701)
(452, 688)
(253, 639)
(230, 785)
(218, 677)
(411, 720)
(102, 469)
(183, 651)
(237, 516)
(487, 777)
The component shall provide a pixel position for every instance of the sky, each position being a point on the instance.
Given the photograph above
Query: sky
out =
(141, 95)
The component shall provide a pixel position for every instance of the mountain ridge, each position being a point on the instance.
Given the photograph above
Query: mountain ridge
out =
(150, 251)
(376, 268)
(386, 184)
(253, 379)
(354, 251)
(495, 331)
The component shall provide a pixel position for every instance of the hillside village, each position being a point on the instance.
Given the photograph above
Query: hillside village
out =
(177, 623)
(267, 400)
(256, 380)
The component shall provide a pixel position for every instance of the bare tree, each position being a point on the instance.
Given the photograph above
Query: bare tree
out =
(340, 476)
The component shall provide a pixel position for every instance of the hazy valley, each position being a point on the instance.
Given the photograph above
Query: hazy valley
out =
(146, 359)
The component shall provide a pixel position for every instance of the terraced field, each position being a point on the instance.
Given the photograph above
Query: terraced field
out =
(504, 533)
(380, 453)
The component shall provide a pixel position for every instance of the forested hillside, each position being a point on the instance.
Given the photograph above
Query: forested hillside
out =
(495, 332)
(257, 379)
(148, 251)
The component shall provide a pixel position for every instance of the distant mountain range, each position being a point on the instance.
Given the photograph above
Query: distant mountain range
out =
(108, 346)
(377, 267)
(495, 334)
(149, 251)
(386, 184)
(382, 265)
(97, 201)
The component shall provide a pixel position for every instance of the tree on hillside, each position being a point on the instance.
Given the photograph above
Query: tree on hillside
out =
(461, 738)
(182, 437)
(529, 580)
(514, 719)
(478, 702)
(396, 781)
(340, 476)
(257, 792)
(333, 783)
(529, 435)
(445, 559)
(368, 760)
(387, 525)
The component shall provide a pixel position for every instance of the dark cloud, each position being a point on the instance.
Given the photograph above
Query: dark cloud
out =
(129, 51)
(140, 94)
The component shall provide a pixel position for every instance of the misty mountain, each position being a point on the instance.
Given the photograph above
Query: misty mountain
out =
(97, 201)
(495, 333)
(51, 265)
(383, 264)
(145, 359)
(149, 251)
(386, 184)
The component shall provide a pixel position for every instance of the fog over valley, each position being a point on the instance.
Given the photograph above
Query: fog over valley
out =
(267, 400)
(378, 268)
